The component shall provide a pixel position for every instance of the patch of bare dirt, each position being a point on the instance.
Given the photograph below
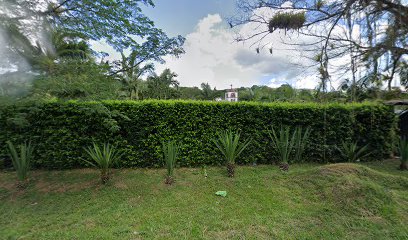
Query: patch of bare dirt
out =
(54, 187)
(121, 185)
(8, 185)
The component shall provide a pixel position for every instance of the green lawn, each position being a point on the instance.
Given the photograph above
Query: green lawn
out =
(340, 201)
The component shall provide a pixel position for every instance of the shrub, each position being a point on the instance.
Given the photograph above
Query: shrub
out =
(287, 143)
(228, 144)
(21, 162)
(138, 128)
(352, 152)
(283, 143)
(103, 158)
(170, 150)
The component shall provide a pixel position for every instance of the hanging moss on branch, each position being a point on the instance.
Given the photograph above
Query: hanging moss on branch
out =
(287, 21)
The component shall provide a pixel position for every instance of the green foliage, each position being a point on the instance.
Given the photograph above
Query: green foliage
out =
(21, 162)
(228, 143)
(283, 143)
(120, 23)
(334, 196)
(190, 93)
(103, 158)
(76, 79)
(163, 86)
(301, 140)
(138, 129)
(132, 86)
(352, 152)
(287, 143)
(207, 93)
(170, 150)
(319, 4)
(287, 21)
(403, 151)
(15, 85)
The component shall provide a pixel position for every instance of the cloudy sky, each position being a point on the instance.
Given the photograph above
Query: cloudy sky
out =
(212, 56)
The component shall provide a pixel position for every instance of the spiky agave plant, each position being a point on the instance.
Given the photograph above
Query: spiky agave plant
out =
(352, 152)
(21, 162)
(170, 151)
(403, 151)
(301, 139)
(283, 142)
(228, 143)
(103, 158)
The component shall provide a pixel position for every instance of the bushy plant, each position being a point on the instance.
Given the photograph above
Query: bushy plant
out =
(170, 151)
(352, 152)
(21, 162)
(403, 151)
(287, 143)
(228, 143)
(103, 158)
(133, 127)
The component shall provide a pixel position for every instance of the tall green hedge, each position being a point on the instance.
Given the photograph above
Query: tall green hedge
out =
(60, 130)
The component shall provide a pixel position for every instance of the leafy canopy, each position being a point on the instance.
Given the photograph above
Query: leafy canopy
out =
(121, 23)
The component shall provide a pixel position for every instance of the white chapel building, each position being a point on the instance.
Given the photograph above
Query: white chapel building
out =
(231, 95)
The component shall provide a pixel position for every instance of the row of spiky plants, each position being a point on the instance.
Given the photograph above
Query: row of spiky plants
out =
(289, 144)
(228, 142)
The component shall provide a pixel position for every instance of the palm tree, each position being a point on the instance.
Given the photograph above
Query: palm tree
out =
(132, 84)
(42, 58)
(164, 85)
(64, 46)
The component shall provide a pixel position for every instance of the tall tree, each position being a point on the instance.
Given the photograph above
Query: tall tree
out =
(132, 84)
(163, 86)
(364, 31)
(121, 23)
(76, 79)
(206, 91)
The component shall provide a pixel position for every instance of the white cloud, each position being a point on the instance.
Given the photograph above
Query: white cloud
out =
(209, 57)
(213, 56)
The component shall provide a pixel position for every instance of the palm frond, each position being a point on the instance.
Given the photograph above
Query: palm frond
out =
(102, 157)
(285, 142)
(21, 162)
(229, 145)
(352, 153)
(170, 152)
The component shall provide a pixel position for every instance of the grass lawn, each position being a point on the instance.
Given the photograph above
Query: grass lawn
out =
(338, 201)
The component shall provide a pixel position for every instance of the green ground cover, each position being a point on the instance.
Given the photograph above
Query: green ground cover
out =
(337, 201)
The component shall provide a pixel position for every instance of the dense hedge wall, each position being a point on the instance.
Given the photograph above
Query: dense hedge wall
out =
(60, 130)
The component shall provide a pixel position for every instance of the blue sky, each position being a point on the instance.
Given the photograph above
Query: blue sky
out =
(213, 56)
(179, 17)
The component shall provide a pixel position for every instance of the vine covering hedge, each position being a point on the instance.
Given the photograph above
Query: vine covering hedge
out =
(60, 130)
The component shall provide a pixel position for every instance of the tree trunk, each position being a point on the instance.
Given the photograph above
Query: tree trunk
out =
(231, 169)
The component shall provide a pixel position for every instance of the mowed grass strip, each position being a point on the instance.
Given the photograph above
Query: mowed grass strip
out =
(337, 201)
